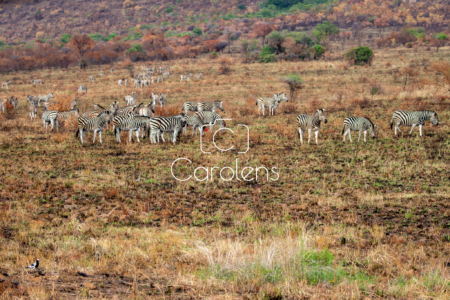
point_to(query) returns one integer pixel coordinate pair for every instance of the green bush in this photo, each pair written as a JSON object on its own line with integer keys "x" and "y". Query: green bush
{"x": 197, "y": 31}
{"x": 241, "y": 6}
{"x": 318, "y": 50}
{"x": 360, "y": 55}
{"x": 109, "y": 37}
{"x": 267, "y": 55}
{"x": 96, "y": 36}
{"x": 441, "y": 36}
{"x": 283, "y": 3}
{"x": 65, "y": 38}
{"x": 136, "y": 48}
{"x": 169, "y": 10}
{"x": 324, "y": 30}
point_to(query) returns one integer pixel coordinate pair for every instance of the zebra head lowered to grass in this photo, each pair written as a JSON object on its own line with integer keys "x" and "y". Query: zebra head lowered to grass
{"x": 210, "y": 106}
{"x": 92, "y": 124}
{"x": 360, "y": 124}
{"x": 131, "y": 123}
{"x": 311, "y": 123}
{"x": 210, "y": 118}
{"x": 196, "y": 123}
{"x": 190, "y": 106}
{"x": 413, "y": 118}
{"x": 270, "y": 103}
{"x": 159, "y": 125}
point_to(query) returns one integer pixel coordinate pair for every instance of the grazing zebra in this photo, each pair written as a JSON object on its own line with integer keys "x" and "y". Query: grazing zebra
{"x": 195, "y": 122}
{"x": 91, "y": 78}
{"x": 100, "y": 74}
{"x": 413, "y": 118}
{"x": 6, "y": 84}
{"x": 82, "y": 88}
{"x": 198, "y": 76}
{"x": 311, "y": 123}
{"x": 159, "y": 125}
{"x": 112, "y": 70}
{"x": 92, "y": 124}
{"x": 190, "y": 106}
{"x": 45, "y": 98}
{"x": 62, "y": 116}
{"x": 14, "y": 102}
{"x": 210, "y": 106}
{"x": 36, "y": 81}
{"x": 33, "y": 111}
{"x": 130, "y": 99}
{"x": 50, "y": 116}
{"x": 137, "y": 82}
{"x": 94, "y": 113}
{"x": 162, "y": 99}
{"x": 166, "y": 74}
{"x": 210, "y": 118}
{"x": 185, "y": 77}
{"x": 73, "y": 104}
{"x": 130, "y": 123}
{"x": 360, "y": 124}
{"x": 145, "y": 82}
{"x": 271, "y": 103}
{"x": 119, "y": 82}
{"x": 2, "y": 105}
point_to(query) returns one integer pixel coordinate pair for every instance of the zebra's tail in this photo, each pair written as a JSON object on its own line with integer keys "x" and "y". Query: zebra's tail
{"x": 76, "y": 133}
{"x": 256, "y": 102}
{"x": 392, "y": 121}
{"x": 343, "y": 130}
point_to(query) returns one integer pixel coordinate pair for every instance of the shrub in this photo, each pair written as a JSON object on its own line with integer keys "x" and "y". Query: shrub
{"x": 360, "y": 55}
{"x": 96, "y": 37}
{"x": 241, "y": 6}
{"x": 225, "y": 64}
{"x": 197, "y": 31}
{"x": 283, "y": 3}
{"x": 65, "y": 38}
{"x": 441, "y": 36}
{"x": 267, "y": 55}
{"x": 318, "y": 51}
{"x": 136, "y": 48}
{"x": 294, "y": 83}
{"x": 169, "y": 9}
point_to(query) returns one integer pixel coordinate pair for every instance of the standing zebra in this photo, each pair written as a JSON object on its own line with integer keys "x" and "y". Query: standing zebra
{"x": 210, "y": 106}
{"x": 143, "y": 110}
{"x": 92, "y": 124}
{"x": 50, "y": 116}
{"x": 126, "y": 82}
{"x": 271, "y": 103}
{"x": 33, "y": 99}
{"x": 186, "y": 77}
{"x": 413, "y": 118}
{"x": 198, "y": 76}
{"x": 130, "y": 123}
{"x": 130, "y": 99}
{"x": 62, "y": 116}
{"x": 82, "y": 88}
{"x": 6, "y": 84}
{"x": 2, "y": 105}
{"x": 112, "y": 70}
{"x": 119, "y": 82}
{"x": 158, "y": 125}
{"x": 311, "y": 123}
{"x": 36, "y": 81}
{"x": 162, "y": 100}
{"x": 73, "y": 104}
{"x": 190, "y": 106}
{"x": 360, "y": 124}
{"x": 94, "y": 113}
{"x": 33, "y": 110}
{"x": 210, "y": 118}
{"x": 195, "y": 122}
{"x": 166, "y": 74}
{"x": 91, "y": 78}
{"x": 45, "y": 98}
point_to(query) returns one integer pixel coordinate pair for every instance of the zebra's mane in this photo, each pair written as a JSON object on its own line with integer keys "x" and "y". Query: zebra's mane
{"x": 370, "y": 121}
{"x": 98, "y": 106}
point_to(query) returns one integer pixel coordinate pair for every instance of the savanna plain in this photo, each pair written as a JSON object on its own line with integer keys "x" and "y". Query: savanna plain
{"x": 342, "y": 221}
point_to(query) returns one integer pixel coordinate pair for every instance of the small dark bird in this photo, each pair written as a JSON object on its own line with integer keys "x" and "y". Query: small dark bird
{"x": 34, "y": 266}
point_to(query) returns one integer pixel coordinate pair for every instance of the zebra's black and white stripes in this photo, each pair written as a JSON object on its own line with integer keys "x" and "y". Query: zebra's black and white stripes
{"x": 210, "y": 106}
{"x": 50, "y": 116}
{"x": 159, "y": 125}
{"x": 413, "y": 118}
{"x": 210, "y": 118}
{"x": 131, "y": 123}
{"x": 311, "y": 123}
{"x": 66, "y": 114}
{"x": 195, "y": 122}
{"x": 270, "y": 103}
{"x": 190, "y": 106}
{"x": 360, "y": 124}
{"x": 92, "y": 124}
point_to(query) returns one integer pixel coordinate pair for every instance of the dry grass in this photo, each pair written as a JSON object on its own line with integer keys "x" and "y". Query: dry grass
{"x": 343, "y": 221}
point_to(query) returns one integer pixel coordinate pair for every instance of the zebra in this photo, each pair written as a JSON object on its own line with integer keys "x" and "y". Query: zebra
{"x": 145, "y": 82}
{"x": 94, "y": 113}
{"x": 100, "y": 74}
{"x": 162, "y": 100}
{"x": 14, "y": 102}
{"x": 2, "y": 105}
{"x": 91, "y": 78}
{"x": 413, "y": 118}
{"x": 185, "y": 77}
{"x": 6, "y": 84}
{"x": 36, "y": 81}
{"x": 119, "y": 82}
{"x": 73, "y": 104}
{"x": 360, "y": 124}
{"x": 311, "y": 123}
{"x": 157, "y": 79}
{"x": 33, "y": 110}
{"x": 136, "y": 82}
{"x": 130, "y": 99}
{"x": 271, "y": 103}
{"x": 62, "y": 116}
{"x": 158, "y": 125}
{"x": 210, "y": 106}
{"x": 190, "y": 106}
{"x": 45, "y": 98}
{"x": 166, "y": 74}
{"x": 198, "y": 76}
{"x": 50, "y": 116}
{"x": 33, "y": 99}
{"x": 161, "y": 69}
{"x": 92, "y": 124}
{"x": 82, "y": 88}
{"x": 130, "y": 123}
{"x": 195, "y": 122}
{"x": 210, "y": 118}
{"x": 112, "y": 71}
{"x": 143, "y": 110}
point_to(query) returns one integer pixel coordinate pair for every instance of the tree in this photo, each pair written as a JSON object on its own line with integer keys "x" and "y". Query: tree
{"x": 324, "y": 30}
{"x": 360, "y": 55}
{"x": 356, "y": 29}
{"x": 294, "y": 83}
{"x": 262, "y": 30}
{"x": 228, "y": 33}
{"x": 65, "y": 38}
{"x": 81, "y": 44}
{"x": 442, "y": 69}
{"x": 275, "y": 40}
{"x": 439, "y": 40}
{"x": 381, "y": 23}
{"x": 283, "y": 3}
{"x": 197, "y": 31}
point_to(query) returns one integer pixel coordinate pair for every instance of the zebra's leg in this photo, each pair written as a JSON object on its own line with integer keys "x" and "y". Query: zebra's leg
{"x": 263, "y": 109}
{"x": 137, "y": 135}
{"x": 365, "y": 132}
{"x": 350, "y": 135}
{"x": 130, "y": 133}
{"x": 412, "y": 127}
{"x": 100, "y": 136}
{"x": 117, "y": 136}
{"x": 162, "y": 137}
{"x": 81, "y": 136}
{"x": 51, "y": 122}
{"x": 300, "y": 133}
{"x": 316, "y": 133}
{"x": 359, "y": 135}
{"x": 420, "y": 129}
{"x": 309, "y": 135}
{"x": 95, "y": 132}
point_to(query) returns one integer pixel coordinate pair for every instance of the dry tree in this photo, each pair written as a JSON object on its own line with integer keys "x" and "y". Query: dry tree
{"x": 294, "y": 83}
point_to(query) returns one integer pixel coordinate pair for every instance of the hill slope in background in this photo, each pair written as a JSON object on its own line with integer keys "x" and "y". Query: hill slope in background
{"x": 29, "y": 20}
